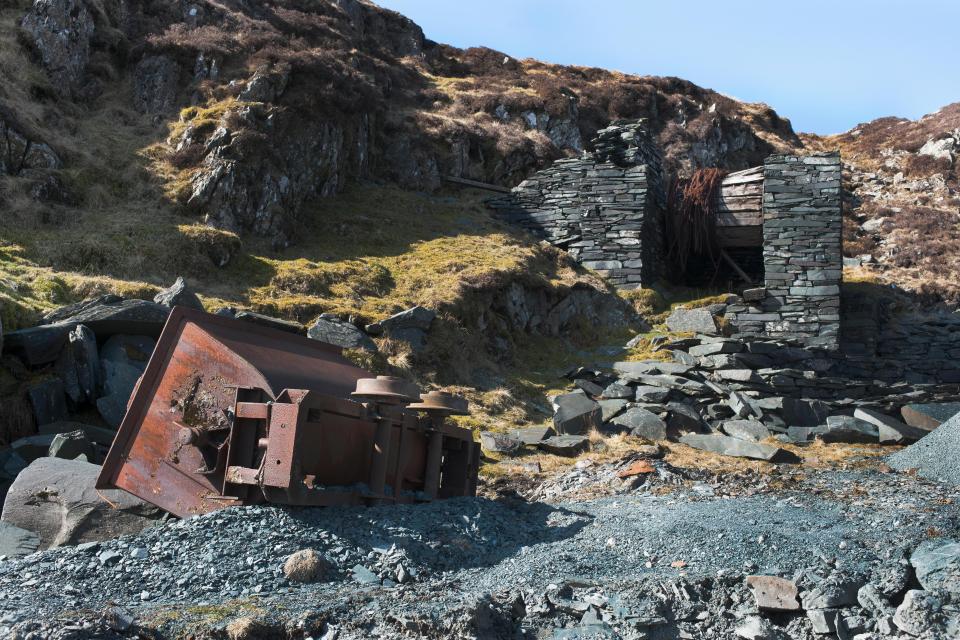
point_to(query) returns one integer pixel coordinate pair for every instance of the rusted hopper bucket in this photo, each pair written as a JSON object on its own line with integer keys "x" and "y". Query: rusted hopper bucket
{"x": 230, "y": 413}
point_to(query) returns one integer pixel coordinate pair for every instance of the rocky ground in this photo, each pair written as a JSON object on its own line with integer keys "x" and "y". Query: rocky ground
{"x": 643, "y": 561}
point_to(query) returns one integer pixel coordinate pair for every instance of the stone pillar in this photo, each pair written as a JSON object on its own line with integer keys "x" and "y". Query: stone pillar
{"x": 605, "y": 207}
{"x": 802, "y": 257}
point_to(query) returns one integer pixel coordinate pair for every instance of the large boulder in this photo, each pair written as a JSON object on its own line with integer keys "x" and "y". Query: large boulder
{"x": 48, "y": 400}
{"x": 60, "y": 32}
{"x": 575, "y": 413}
{"x": 332, "y": 330}
{"x": 57, "y": 500}
{"x": 937, "y": 563}
{"x": 410, "y": 326}
{"x": 22, "y": 154}
{"x": 79, "y": 366}
{"x": 105, "y": 316}
{"x": 124, "y": 359}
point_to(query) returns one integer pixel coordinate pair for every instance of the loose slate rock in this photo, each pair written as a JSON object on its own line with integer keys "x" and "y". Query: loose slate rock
{"x": 649, "y": 393}
{"x": 617, "y": 391}
{"x": 745, "y": 430}
{"x": 694, "y": 320}
{"x": 937, "y": 563}
{"x": 575, "y": 414}
{"x": 805, "y": 413}
{"x": 611, "y": 408}
{"x": 891, "y": 430}
{"x": 532, "y": 435}
{"x": 642, "y": 423}
{"x": 332, "y": 330}
{"x": 566, "y": 445}
{"x": 727, "y": 446}
{"x": 79, "y": 366}
{"x": 499, "y": 442}
{"x": 179, "y": 295}
{"x": 929, "y": 416}
{"x": 773, "y": 593}
{"x": 684, "y": 418}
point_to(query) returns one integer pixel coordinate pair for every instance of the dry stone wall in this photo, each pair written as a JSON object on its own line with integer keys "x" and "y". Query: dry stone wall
{"x": 802, "y": 256}
{"x": 604, "y": 207}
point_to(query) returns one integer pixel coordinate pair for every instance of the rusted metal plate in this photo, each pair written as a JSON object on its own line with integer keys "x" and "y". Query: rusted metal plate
{"x": 232, "y": 413}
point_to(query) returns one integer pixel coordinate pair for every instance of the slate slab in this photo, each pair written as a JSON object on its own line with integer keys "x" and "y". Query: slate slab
{"x": 500, "y": 443}
{"x": 650, "y": 393}
{"x": 57, "y": 500}
{"x": 565, "y": 445}
{"x": 772, "y": 593}
{"x": 532, "y": 435}
{"x": 929, "y": 416}
{"x": 642, "y": 423}
{"x": 891, "y": 430}
{"x": 575, "y": 414}
{"x": 725, "y": 445}
{"x": 692, "y": 320}
{"x": 745, "y": 430}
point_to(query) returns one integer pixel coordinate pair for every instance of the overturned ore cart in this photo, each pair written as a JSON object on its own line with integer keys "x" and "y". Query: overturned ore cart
{"x": 231, "y": 413}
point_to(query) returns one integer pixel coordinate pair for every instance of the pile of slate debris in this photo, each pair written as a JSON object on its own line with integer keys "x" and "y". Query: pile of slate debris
{"x": 735, "y": 397}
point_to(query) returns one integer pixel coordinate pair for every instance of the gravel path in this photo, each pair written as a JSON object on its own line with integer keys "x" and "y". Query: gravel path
{"x": 426, "y": 563}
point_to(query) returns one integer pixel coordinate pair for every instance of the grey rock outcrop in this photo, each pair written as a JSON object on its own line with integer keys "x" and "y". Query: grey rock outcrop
{"x": 60, "y": 31}
{"x": 56, "y": 499}
{"x": 22, "y": 155}
{"x": 249, "y": 184}
{"x": 155, "y": 80}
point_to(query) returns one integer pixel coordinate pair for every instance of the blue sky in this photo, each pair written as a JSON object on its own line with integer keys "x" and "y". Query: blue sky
{"x": 825, "y": 64}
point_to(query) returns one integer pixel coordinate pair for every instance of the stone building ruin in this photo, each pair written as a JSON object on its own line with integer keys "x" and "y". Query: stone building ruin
{"x": 782, "y": 221}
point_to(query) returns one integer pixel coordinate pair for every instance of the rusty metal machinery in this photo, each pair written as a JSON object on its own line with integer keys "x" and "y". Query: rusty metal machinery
{"x": 231, "y": 413}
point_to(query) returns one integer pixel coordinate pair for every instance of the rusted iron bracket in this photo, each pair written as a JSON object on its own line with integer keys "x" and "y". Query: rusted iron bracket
{"x": 231, "y": 413}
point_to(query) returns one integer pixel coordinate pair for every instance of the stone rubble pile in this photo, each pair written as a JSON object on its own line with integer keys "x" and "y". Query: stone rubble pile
{"x": 739, "y": 397}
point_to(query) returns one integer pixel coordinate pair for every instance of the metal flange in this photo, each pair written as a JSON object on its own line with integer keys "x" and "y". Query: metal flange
{"x": 386, "y": 390}
{"x": 442, "y": 402}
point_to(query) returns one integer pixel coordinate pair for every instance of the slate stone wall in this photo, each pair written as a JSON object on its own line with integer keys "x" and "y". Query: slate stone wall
{"x": 605, "y": 207}
{"x": 883, "y": 341}
{"x": 802, "y": 256}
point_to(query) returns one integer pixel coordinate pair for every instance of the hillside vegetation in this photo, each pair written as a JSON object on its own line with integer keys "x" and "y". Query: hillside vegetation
{"x": 288, "y": 157}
